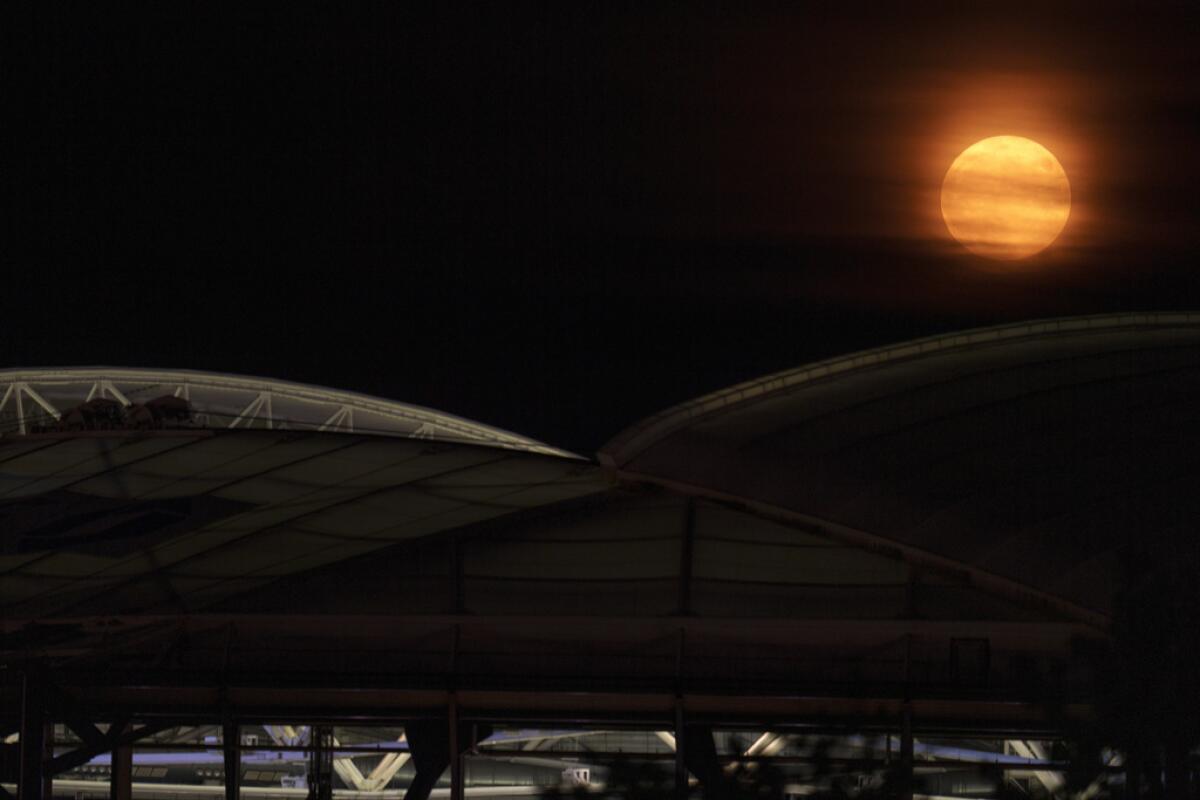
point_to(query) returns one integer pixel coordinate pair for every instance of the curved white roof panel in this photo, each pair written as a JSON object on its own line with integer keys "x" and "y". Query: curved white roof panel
{"x": 41, "y": 399}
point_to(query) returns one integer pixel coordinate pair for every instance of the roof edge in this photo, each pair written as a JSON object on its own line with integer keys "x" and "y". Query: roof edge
{"x": 636, "y": 439}
{"x": 468, "y": 429}
{"x": 989, "y": 581}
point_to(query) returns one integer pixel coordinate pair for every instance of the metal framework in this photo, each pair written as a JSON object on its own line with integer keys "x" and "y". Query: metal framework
{"x": 345, "y": 617}
{"x": 41, "y": 400}
{"x": 236, "y": 759}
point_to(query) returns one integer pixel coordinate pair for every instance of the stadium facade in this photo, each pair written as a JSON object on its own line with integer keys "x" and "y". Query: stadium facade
{"x": 888, "y": 563}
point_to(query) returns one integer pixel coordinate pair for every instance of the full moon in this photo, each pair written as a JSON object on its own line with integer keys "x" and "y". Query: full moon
{"x": 1006, "y": 197}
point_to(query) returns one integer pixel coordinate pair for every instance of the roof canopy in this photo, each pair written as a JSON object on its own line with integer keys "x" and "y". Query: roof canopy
{"x": 131, "y": 490}
{"x": 1037, "y": 452}
{"x": 256, "y": 536}
{"x": 174, "y": 520}
{"x": 32, "y": 399}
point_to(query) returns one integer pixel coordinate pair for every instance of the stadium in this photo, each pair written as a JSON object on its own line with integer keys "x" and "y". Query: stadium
{"x": 888, "y": 563}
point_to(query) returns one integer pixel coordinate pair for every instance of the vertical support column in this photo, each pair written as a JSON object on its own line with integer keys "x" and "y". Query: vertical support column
{"x": 904, "y": 769}
{"x": 1152, "y": 770}
{"x": 429, "y": 744}
{"x": 1176, "y": 771}
{"x": 681, "y": 770}
{"x": 700, "y": 757}
{"x": 320, "y": 771}
{"x": 686, "y": 548}
{"x": 231, "y": 741}
{"x": 120, "y": 779}
{"x": 1133, "y": 775}
{"x": 456, "y": 757}
{"x": 457, "y": 576}
{"x": 37, "y": 740}
{"x": 905, "y": 775}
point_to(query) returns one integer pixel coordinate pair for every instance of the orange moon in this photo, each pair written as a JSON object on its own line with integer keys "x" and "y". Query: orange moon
{"x": 1006, "y": 198}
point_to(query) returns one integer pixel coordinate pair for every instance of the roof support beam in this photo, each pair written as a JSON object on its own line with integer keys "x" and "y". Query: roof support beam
{"x": 41, "y": 401}
{"x": 457, "y": 773}
{"x": 109, "y": 388}
{"x": 16, "y": 391}
{"x": 768, "y": 744}
{"x": 340, "y": 420}
{"x": 387, "y": 769}
{"x": 7, "y": 394}
{"x": 701, "y": 759}
{"x": 686, "y": 548}
{"x": 37, "y": 739}
{"x": 681, "y": 753}
{"x": 429, "y": 743}
{"x": 1050, "y": 780}
{"x": 320, "y": 782}
{"x": 118, "y": 734}
{"x": 758, "y": 744}
{"x": 904, "y": 769}
{"x": 91, "y": 735}
{"x": 343, "y": 766}
{"x": 120, "y": 777}
{"x": 860, "y": 538}
{"x": 20, "y": 415}
{"x": 250, "y": 412}
{"x": 424, "y": 431}
{"x": 231, "y": 747}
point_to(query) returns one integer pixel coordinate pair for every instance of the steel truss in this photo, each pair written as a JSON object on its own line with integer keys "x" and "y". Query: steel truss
{"x": 45, "y": 400}
{"x": 441, "y": 741}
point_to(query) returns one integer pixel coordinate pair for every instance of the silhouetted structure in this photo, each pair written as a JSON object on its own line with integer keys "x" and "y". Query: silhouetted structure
{"x": 902, "y": 561}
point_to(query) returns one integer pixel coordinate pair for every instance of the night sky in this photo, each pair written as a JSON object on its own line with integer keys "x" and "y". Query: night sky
{"x": 559, "y": 218}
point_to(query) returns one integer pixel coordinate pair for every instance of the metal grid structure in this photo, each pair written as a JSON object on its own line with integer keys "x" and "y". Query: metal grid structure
{"x": 377, "y": 762}
{"x": 44, "y": 399}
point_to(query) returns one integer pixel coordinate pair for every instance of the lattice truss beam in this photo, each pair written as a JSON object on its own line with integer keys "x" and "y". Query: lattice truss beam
{"x": 580, "y": 755}
{"x": 75, "y": 398}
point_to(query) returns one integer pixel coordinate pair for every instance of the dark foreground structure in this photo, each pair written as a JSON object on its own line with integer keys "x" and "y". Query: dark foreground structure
{"x": 892, "y": 566}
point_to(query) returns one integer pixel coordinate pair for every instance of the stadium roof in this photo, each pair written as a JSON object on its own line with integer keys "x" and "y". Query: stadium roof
{"x": 39, "y": 397}
{"x": 1026, "y": 456}
{"x": 1033, "y": 454}
{"x": 859, "y": 526}
{"x": 259, "y": 479}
